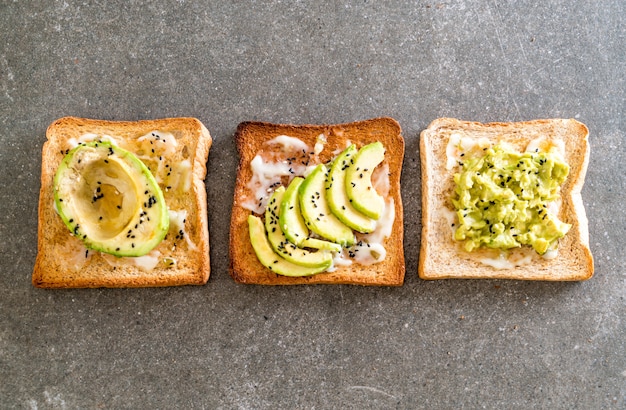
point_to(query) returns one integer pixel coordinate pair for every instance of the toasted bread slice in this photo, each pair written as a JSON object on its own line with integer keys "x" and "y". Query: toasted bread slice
{"x": 62, "y": 259}
{"x": 251, "y": 138}
{"x": 442, "y": 257}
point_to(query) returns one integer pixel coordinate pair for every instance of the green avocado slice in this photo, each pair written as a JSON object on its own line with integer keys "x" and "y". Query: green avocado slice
{"x": 359, "y": 187}
{"x": 290, "y": 219}
{"x": 270, "y": 259}
{"x": 315, "y": 210}
{"x": 279, "y": 242}
{"x": 338, "y": 201}
{"x": 109, "y": 199}
{"x": 292, "y": 224}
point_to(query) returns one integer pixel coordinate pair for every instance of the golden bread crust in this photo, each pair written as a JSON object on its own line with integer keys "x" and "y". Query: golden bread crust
{"x": 441, "y": 256}
{"x": 63, "y": 262}
{"x": 250, "y": 137}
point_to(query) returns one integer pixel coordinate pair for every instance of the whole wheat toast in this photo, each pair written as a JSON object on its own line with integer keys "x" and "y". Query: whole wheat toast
{"x": 442, "y": 257}
{"x": 64, "y": 262}
{"x": 250, "y": 139}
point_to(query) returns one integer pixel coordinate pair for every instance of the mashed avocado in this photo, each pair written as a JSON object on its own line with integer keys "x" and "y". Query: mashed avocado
{"x": 501, "y": 199}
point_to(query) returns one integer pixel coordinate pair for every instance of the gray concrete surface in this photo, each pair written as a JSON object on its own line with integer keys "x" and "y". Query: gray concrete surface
{"x": 445, "y": 344}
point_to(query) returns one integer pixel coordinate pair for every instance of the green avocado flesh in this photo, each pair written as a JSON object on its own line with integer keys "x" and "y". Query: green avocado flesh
{"x": 338, "y": 201}
{"x": 304, "y": 223}
{"x": 358, "y": 180}
{"x": 269, "y": 259}
{"x": 501, "y": 200}
{"x": 292, "y": 224}
{"x": 317, "y": 214}
{"x": 109, "y": 199}
{"x": 281, "y": 245}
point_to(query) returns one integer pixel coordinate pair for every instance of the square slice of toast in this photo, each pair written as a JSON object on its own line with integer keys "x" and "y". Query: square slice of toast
{"x": 252, "y": 137}
{"x": 176, "y": 152}
{"x": 442, "y": 257}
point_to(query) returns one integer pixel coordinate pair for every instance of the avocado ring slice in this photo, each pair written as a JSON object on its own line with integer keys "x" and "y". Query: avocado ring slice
{"x": 110, "y": 200}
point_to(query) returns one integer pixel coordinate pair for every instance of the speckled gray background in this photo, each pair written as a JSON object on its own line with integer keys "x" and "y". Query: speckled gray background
{"x": 444, "y": 344}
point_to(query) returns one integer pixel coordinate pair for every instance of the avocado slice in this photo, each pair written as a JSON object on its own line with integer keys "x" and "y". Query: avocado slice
{"x": 270, "y": 259}
{"x": 315, "y": 210}
{"x": 338, "y": 200}
{"x": 292, "y": 224}
{"x": 109, "y": 199}
{"x": 279, "y": 242}
{"x": 359, "y": 187}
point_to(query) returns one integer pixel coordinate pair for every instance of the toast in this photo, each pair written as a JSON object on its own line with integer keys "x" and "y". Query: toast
{"x": 252, "y": 138}
{"x": 443, "y": 257}
{"x": 178, "y": 166}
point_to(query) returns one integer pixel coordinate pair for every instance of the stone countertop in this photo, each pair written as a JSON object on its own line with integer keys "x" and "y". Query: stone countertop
{"x": 440, "y": 344}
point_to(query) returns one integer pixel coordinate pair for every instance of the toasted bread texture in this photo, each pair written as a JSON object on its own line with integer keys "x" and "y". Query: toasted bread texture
{"x": 251, "y": 138}
{"x": 442, "y": 257}
{"x": 179, "y": 167}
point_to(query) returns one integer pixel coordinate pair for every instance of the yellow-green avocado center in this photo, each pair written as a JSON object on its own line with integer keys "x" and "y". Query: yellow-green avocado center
{"x": 109, "y": 199}
{"x": 502, "y": 200}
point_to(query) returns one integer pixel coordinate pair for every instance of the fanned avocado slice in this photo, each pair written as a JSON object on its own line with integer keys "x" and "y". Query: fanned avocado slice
{"x": 315, "y": 210}
{"x": 109, "y": 199}
{"x": 359, "y": 187}
{"x": 270, "y": 259}
{"x": 338, "y": 201}
{"x": 279, "y": 242}
{"x": 292, "y": 224}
